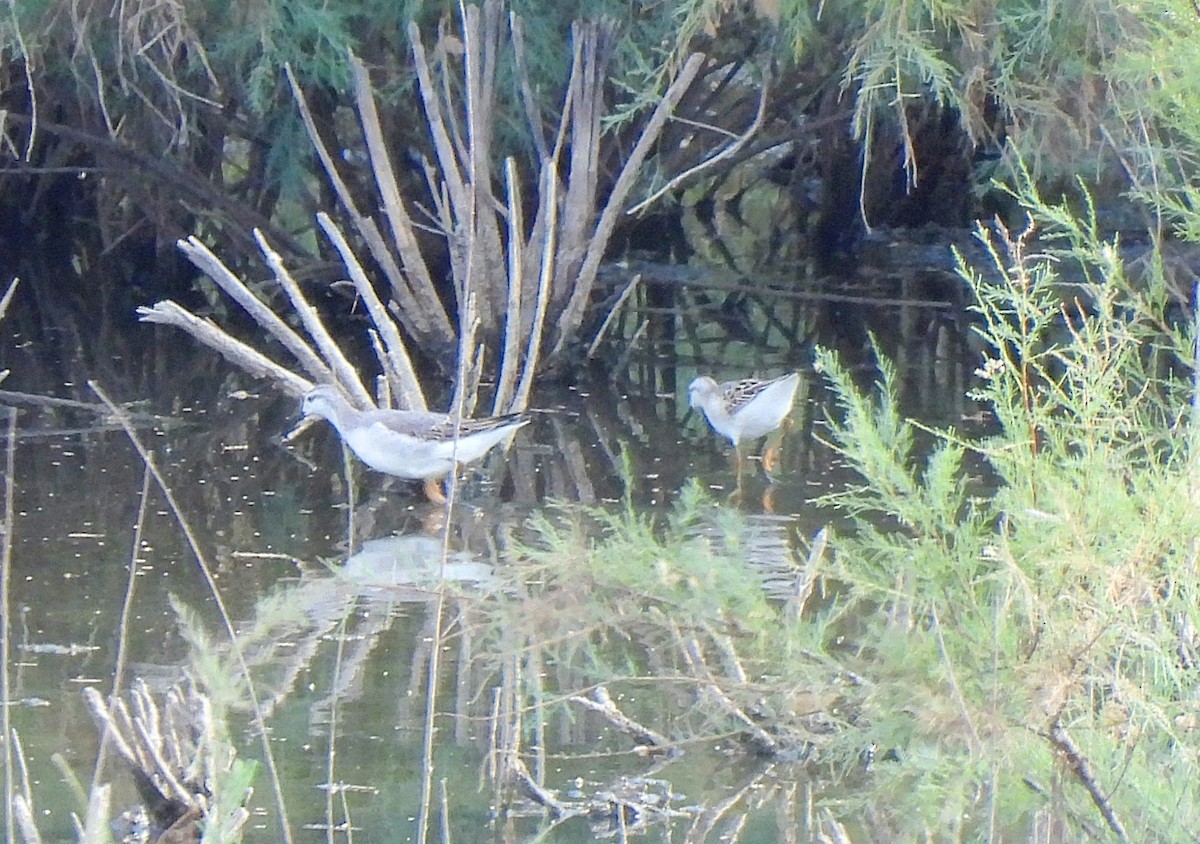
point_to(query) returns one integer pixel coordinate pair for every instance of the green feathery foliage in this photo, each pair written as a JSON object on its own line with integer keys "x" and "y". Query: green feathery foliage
{"x": 1052, "y": 614}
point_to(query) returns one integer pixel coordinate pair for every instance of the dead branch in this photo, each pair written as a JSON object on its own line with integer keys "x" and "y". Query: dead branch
{"x": 8, "y": 296}
{"x": 423, "y": 297}
{"x": 1061, "y": 740}
{"x": 311, "y": 320}
{"x": 535, "y": 792}
{"x": 411, "y": 311}
{"x": 236, "y": 289}
{"x": 601, "y": 702}
{"x": 171, "y": 751}
{"x": 573, "y": 313}
{"x": 235, "y": 351}
{"x": 713, "y": 160}
{"x": 395, "y": 357}
{"x": 760, "y": 738}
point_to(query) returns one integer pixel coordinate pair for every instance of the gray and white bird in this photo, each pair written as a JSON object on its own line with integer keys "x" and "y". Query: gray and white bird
{"x": 410, "y": 443}
{"x": 745, "y": 409}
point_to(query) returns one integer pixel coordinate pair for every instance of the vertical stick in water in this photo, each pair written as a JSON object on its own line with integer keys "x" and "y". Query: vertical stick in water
{"x": 5, "y": 576}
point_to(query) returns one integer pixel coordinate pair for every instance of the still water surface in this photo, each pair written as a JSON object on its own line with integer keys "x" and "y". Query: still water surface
{"x": 333, "y": 595}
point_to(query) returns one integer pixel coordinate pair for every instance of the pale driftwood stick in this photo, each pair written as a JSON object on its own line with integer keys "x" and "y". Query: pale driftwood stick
{"x": 310, "y": 125}
{"x": 549, "y": 253}
{"x": 23, "y": 819}
{"x": 435, "y": 117}
{"x": 625, "y": 294}
{"x": 540, "y": 265}
{"x": 414, "y": 315}
{"x": 397, "y": 353}
{"x": 695, "y": 657}
{"x": 95, "y": 825}
{"x": 447, "y": 92}
{"x": 100, "y": 712}
{"x": 147, "y": 726}
{"x": 440, "y": 220}
{"x": 462, "y": 403}
{"x": 121, "y": 717}
{"x": 567, "y": 254}
{"x": 385, "y": 395}
{"x": 399, "y": 221}
{"x": 8, "y": 296}
{"x": 578, "y": 220}
{"x": 233, "y": 350}
{"x": 484, "y": 115}
{"x": 806, "y": 578}
{"x": 344, "y": 371}
{"x": 481, "y": 257}
{"x": 614, "y": 208}
{"x": 532, "y": 113}
{"x": 20, "y": 773}
{"x": 730, "y": 150}
{"x": 235, "y": 288}
{"x": 534, "y": 790}
{"x": 510, "y": 362}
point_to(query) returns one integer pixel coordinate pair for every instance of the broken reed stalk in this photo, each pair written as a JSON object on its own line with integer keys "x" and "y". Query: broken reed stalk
{"x": 8, "y": 296}
{"x": 331, "y": 353}
{"x": 118, "y": 678}
{"x": 589, "y": 268}
{"x": 419, "y": 308}
{"x": 175, "y": 750}
{"x": 509, "y": 356}
{"x": 259, "y": 311}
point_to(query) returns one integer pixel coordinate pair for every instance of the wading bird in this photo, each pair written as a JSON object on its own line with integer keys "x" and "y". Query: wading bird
{"x": 410, "y": 443}
{"x": 745, "y": 409}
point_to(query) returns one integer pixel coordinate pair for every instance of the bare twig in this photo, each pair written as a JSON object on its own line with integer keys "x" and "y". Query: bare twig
{"x": 600, "y": 701}
{"x": 346, "y": 374}
{"x": 236, "y": 289}
{"x": 510, "y": 362}
{"x": 545, "y": 281}
{"x": 806, "y": 578}
{"x": 534, "y": 791}
{"x": 1061, "y": 739}
{"x": 424, "y": 295}
{"x": 713, "y": 160}
{"x": 612, "y": 313}
{"x": 126, "y": 613}
{"x": 8, "y": 296}
{"x": 413, "y": 314}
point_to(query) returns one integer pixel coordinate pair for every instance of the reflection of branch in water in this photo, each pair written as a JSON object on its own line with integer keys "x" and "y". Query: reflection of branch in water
{"x": 570, "y": 457}
{"x": 755, "y": 786}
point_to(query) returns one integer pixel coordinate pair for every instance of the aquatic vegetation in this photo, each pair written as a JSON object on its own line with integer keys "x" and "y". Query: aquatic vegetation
{"x": 1029, "y": 632}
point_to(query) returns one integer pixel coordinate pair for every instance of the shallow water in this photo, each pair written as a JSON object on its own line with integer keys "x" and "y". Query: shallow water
{"x": 331, "y": 592}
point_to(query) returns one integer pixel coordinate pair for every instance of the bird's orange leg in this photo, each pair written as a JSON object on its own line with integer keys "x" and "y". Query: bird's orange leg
{"x": 434, "y": 492}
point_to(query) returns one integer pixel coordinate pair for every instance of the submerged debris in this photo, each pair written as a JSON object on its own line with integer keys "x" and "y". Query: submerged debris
{"x": 175, "y": 758}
